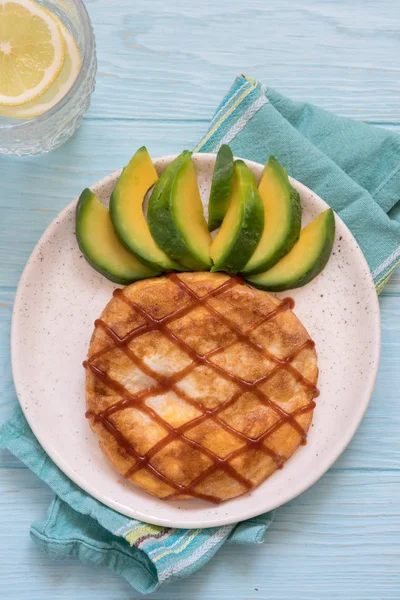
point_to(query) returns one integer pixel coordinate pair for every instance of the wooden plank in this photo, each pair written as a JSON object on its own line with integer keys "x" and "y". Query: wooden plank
{"x": 176, "y": 60}
{"x": 7, "y": 394}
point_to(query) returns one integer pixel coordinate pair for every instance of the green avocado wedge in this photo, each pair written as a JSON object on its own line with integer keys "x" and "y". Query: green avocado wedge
{"x": 306, "y": 259}
{"x": 243, "y": 224}
{"x": 176, "y": 218}
{"x": 126, "y": 211}
{"x": 221, "y": 186}
{"x": 282, "y": 213}
{"x": 100, "y": 245}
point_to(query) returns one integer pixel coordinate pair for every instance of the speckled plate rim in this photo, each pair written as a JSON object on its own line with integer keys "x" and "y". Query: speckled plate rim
{"x": 233, "y": 513}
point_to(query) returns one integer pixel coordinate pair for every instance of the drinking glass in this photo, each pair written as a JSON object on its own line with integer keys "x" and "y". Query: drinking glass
{"x": 39, "y": 134}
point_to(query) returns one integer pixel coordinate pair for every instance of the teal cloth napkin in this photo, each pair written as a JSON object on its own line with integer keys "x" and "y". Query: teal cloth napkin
{"x": 353, "y": 166}
{"x": 356, "y": 169}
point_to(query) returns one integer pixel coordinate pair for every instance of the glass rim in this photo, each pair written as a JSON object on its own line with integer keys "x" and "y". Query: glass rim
{"x": 89, "y": 49}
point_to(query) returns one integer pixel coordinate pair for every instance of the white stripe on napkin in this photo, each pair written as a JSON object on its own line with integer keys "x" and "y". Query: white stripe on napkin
{"x": 197, "y": 554}
{"x": 240, "y": 123}
{"x": 386, "y": 263}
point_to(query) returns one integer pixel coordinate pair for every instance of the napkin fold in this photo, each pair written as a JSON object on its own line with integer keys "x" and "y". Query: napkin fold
{"x": 356, "y": 169}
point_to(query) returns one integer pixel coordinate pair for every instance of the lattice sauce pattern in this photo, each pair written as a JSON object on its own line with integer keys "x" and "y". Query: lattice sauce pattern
{"x": 167, "y": 383}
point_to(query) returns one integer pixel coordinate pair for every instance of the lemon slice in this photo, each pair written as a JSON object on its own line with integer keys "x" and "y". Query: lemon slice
{"x": 57, "y": 90}
{"x": 31, "y": 51}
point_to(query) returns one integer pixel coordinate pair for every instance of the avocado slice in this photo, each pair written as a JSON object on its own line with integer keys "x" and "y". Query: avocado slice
{"x": 176, "y": 217}
{"x": 243, "y": 224}
{"x": 126, "y": 210}
{"x": 282, "y": 212}
{"x": 221, "y": 186}
{"x": 100, "y": 245}
{"x": 306, "y": 259}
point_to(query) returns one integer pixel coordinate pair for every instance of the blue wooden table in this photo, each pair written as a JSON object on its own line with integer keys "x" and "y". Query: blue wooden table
{"x": 163, "y": 68}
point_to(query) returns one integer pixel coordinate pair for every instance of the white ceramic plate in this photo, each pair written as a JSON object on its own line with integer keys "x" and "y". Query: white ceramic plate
{"x": 60, "y": 296}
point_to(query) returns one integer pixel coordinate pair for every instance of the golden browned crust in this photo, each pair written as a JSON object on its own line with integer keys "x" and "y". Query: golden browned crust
{"x": 240, "y": 400}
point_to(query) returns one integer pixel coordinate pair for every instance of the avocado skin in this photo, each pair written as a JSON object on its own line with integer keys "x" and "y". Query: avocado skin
{"x": 314, "y": 269}
{"x": 295, "y": 227}
{"x": 251, "y": 228}
{"x": 221, "y": 187}
{"x": 161, "y": 222}
{"x": 162, "y": 226}
{"x": 81, "y": 208}
{"x": 161, "y": 188}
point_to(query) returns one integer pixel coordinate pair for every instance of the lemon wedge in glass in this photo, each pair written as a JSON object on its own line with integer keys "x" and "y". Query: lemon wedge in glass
{"x": 31, "y": 51}
{"x": 57, "y": 90}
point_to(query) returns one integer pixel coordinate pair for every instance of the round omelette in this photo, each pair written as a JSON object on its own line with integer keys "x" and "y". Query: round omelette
{"x": 198, "y": 385}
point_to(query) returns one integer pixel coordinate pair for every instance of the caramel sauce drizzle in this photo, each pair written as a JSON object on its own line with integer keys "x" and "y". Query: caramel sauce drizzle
{"x": 164, "y": 384}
